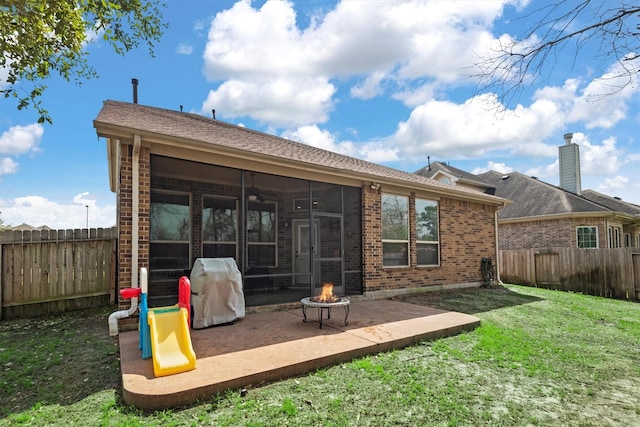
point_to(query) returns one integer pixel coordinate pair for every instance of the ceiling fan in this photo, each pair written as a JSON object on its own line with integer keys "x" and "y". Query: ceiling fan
{"x": 252, "y": 192}
{"x": 254, "y": 195}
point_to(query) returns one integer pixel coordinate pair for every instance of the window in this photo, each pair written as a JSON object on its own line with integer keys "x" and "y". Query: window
{"x": 395, "y": 230}
{"x": 169, "y": 228}
{"x": 219, "y": 227}
{"x": 614, "y": 237}
{"x": 587, "y": 237}
{"x": 261, "y": 234}
{"x": 627, "y": 240}
{"x": 427, "y": 247}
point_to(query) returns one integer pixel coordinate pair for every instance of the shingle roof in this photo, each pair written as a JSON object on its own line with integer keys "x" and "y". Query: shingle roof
{"x": 431, "y": 170}
{"x": 532, "y": 197}
{"x": 612, "y": 203}
{"x": 200, "y": 129}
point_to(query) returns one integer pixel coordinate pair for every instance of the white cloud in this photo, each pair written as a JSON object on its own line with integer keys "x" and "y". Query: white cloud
{"x": 549, "y": 172}
{"x": 369, "y": 88}
{"x": 492, "y": 166}
{"x": 21, "y": 139}
{"x": 314, "y": 136}
{"x": 283, "y": 75}
{"x": 4, "y": 73}
{"x": 448, "y": 130}
{"x": 381, "y": 44}
{"x": 37, "y": 210}
{"x": 285, "y": 102}
{"x": 613, "y": 183}
{"x": 184, "y": 49}
{"x": 377, "y": 152}
{"x": 599, "y": 159}
{"x": 604, "y": 101}
{"x": 8, "y": 166}
{"x": 415, "y": 96}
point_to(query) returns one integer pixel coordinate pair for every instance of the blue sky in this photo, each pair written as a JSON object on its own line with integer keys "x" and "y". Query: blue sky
{"x": 386, "y": 81}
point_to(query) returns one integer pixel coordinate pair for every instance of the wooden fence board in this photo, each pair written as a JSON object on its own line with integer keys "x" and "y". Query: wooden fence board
{"x": 46, "y": 271}
{"x": 608, "y": 273}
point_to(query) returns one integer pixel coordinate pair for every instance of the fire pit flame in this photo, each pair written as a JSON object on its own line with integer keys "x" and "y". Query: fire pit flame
{"x": 326, "y": 296}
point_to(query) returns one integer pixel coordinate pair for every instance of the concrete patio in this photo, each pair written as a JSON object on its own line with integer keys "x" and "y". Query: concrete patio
{"x": 269, "y": 346}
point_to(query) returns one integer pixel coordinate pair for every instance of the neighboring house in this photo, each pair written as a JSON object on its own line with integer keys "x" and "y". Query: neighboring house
{"x": 542, "y": 215}
{"x": 27, "y": 227}
{"x": 629, "y": 235}
{"x": 447, "y": 174}
{"x": 292, "y": 216}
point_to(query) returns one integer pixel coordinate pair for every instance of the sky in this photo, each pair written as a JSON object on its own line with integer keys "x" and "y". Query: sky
{"x": 391, "y": 82}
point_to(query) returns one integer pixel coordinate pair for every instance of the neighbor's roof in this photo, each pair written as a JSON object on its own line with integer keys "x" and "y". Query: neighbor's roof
{"x": 118, "y": 119}
{"x": 27, "y": 227}
{"x": 533, "y": 198}
{"x": 613, "y": 203}
{"x": 431, "y": 170}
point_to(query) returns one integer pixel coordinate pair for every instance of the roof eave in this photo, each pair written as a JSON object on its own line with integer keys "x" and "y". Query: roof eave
{"x": 571, "y": 215}
{"x": 117, "y": 132}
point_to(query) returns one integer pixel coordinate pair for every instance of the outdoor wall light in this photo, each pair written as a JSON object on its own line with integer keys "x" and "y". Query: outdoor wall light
{"x": 375, "y": 186}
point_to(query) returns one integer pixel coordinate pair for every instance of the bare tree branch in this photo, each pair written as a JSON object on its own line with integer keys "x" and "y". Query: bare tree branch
{"x": 514, "y": 63}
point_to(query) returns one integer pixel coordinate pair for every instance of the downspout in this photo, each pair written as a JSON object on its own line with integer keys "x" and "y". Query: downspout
{"x": 495, "y": 225}
{"x": 135, "y": 210}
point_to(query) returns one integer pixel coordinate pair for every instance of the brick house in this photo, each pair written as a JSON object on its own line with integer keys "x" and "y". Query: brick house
{"x": 546, "y": 216}
{"x": 292, "y": 216}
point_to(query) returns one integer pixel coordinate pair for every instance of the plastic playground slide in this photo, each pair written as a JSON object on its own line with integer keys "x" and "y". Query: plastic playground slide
{"x": 170, "y": 341}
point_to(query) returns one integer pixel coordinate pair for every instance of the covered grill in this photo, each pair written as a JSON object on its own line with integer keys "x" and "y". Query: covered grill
{"x": 216, "y": 292}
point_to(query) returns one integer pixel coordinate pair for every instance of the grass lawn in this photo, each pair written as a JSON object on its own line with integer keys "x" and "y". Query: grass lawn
{"x": 539, "y": 358}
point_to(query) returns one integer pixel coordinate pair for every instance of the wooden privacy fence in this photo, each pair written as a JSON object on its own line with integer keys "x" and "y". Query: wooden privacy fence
{"x": 50, "y": 271}
{"x": 612, "y": 273}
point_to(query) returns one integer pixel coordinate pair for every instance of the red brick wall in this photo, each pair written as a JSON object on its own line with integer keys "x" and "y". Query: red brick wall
{"x": 553, "y": 233}
{"x": 466, "y": 236}
{"x": 125, "y": 214}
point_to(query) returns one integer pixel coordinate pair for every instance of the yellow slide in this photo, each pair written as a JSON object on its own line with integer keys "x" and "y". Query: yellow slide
{"x": 170, "y": 341}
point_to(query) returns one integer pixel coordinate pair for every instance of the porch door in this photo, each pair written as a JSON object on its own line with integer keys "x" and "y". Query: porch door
{"x": 303, "y": 252}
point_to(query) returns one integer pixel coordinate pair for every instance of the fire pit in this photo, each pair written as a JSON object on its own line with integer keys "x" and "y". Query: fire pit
{"x": 325, "y": 301}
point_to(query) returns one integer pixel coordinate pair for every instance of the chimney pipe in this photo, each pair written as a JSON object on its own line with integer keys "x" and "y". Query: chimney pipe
{"x": 567, "y": 138}
{"x": 134, "y": 82}
{"x": 569, "y": 162}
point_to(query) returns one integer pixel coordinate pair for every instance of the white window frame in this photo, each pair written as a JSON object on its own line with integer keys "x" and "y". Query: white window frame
{"x": 578, "y": 236}
{"x": 614, "y": 236}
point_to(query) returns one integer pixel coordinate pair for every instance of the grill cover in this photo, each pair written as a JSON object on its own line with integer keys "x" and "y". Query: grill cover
{"x": 216, "y": 292}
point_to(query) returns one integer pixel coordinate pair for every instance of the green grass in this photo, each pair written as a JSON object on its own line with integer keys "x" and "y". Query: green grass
{"x": 539, "y": 358}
